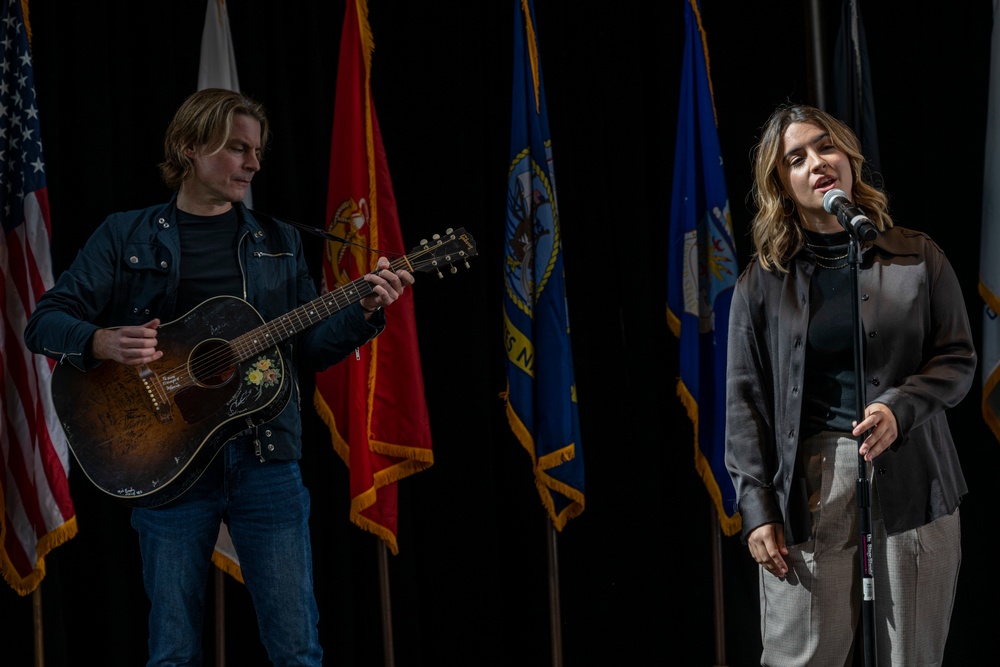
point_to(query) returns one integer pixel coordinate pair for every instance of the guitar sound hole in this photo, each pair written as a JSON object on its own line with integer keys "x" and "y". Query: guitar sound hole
{"x": 213, "y": 363}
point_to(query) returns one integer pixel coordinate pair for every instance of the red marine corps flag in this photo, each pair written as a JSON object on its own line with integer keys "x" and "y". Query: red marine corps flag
{"x": 373, "y": 402}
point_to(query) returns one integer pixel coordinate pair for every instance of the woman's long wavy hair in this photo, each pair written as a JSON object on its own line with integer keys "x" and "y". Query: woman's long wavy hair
{"x": 205, "y": 119}
{"x": 776, "y": 229}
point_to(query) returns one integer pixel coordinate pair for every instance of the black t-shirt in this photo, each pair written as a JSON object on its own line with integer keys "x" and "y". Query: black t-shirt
{"x": 209, "y": 262}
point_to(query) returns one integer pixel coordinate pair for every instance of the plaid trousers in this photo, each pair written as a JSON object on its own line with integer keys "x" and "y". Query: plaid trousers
{"x": 810, "y": 616}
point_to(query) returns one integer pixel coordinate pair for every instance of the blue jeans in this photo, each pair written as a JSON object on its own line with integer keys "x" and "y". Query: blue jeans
{"x": 266, "y": 508}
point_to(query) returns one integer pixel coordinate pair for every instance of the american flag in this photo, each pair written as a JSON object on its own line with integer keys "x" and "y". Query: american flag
{"x": 36, "y": 512}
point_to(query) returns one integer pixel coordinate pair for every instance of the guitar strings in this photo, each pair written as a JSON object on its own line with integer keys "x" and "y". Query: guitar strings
{"x": 246, "y": 345}
{"x": 263, "y": 337}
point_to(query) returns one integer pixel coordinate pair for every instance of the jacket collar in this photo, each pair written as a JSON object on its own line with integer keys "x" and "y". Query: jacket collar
{"x": 898, "y": 241}
{"x": 893, "y": 241}
{"x": 249, "y": 223}
{"x": 166, "y": 217}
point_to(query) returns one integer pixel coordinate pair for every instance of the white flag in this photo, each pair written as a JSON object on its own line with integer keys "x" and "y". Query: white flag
{"x": 218, "y": 61}
{"x": 217, "y": 68}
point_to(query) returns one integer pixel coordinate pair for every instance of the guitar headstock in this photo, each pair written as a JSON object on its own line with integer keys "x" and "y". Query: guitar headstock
{"x": 443, "y": 251}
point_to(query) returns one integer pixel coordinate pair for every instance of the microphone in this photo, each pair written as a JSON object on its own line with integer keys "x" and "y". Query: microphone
{"x": 849, "y": 215}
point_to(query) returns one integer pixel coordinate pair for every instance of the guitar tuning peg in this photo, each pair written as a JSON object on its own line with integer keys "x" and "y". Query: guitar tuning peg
{"x": 467, "y": 264}
{"x": 436, "y": 237}
{"x": 423, "y": 241}
{"x": 454, "y": 269}
{"x": 440, "y": 275}
{"x": 449, "y": 231}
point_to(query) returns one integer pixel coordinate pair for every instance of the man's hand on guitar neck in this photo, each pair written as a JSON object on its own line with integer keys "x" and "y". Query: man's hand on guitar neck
{"x": 387, "y": 286}
{"x": 132, "y": 346}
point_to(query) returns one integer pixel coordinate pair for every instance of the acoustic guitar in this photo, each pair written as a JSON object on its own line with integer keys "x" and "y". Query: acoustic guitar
{"x": 145, "y": 434}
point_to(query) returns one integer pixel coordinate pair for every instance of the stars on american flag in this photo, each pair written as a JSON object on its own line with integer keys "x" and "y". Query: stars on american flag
{"x": 22, "y": 167}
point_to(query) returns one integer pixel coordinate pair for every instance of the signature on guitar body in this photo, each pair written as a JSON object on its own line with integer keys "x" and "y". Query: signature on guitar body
{"x": 145, "y": 434}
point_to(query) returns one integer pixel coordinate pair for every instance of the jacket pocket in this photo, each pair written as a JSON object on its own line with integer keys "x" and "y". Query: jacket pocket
{"x": 145, "y": 270}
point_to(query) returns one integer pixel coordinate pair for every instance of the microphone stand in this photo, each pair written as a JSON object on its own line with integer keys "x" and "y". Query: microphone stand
{"x": 864, "y": 481}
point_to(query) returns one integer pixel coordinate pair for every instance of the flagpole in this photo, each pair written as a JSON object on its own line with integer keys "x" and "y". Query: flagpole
{"x": 220, "y": 618}
{"x": 383, "y": 585}
{"x": 36, "y": 608}
{"x": 814, "y": 19}
{"x": 720, "y": 617}
{"x": 555, "y": 620}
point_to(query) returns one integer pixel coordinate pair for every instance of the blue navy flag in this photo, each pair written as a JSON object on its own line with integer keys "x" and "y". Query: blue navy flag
{"x": 702, "y": 270}
{"x": 541, "y": 391}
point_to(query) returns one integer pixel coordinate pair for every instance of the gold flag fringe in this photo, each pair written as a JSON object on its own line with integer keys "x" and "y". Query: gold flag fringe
{"x": 228, "y": 566}
{"x": 414, "y": 459}
{"x": 367, "y": 48}
{"x": 544, "y": 482}
{"x": 731, "y": 525}
{"x": 27, "y": 585}
{"x": 27, "y": 23}
{"x": 529, "y": 28}
{"x": 708, "y": 65}
{"x": 674, "y": 323}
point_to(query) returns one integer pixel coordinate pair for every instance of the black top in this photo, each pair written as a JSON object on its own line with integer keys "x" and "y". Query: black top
{"x": 829, "y": 402}
{"x": 209, "y": 262}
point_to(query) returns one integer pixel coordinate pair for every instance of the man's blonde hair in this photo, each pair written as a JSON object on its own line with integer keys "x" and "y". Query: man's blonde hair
{"x": 205, "y": 119}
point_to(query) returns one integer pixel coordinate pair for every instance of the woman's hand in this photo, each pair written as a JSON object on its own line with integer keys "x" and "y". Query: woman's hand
{"x": 767, "y": 546}
{"x": 884, "y": 430}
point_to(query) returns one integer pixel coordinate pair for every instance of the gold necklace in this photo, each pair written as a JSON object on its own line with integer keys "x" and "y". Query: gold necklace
{"x": 828, "y": 259}
{"x": 827, "y": 266}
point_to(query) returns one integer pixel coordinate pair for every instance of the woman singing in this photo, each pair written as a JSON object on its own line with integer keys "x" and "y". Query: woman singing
{"x": 792, "y": 424}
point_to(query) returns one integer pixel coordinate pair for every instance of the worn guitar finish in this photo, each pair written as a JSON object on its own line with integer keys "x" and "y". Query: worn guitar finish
{"x": 145, "y": 434}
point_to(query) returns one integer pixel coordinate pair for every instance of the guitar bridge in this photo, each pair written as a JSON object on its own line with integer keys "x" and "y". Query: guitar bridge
{"x": 156, "y": 394}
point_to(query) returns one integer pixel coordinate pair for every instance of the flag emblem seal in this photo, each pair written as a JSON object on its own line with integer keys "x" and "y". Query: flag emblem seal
{"x": 709, "y": 269}
{"x": 532, "y": 231}
{"x": 351, "y": 223}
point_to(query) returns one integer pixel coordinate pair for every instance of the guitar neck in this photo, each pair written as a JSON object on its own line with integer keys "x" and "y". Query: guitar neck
{"x": 295, "y": 321}
{"x": 442, "y": 251}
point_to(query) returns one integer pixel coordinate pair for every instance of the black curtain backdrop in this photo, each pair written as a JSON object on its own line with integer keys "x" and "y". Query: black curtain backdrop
{"x": 469, "y": 585}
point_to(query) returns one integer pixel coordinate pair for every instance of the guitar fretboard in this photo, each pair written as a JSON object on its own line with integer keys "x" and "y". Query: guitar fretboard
{"x": 298, "y": 320}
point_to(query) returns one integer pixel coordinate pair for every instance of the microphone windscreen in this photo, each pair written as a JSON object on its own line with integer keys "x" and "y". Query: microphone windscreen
{"x": 830, "y": 198}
